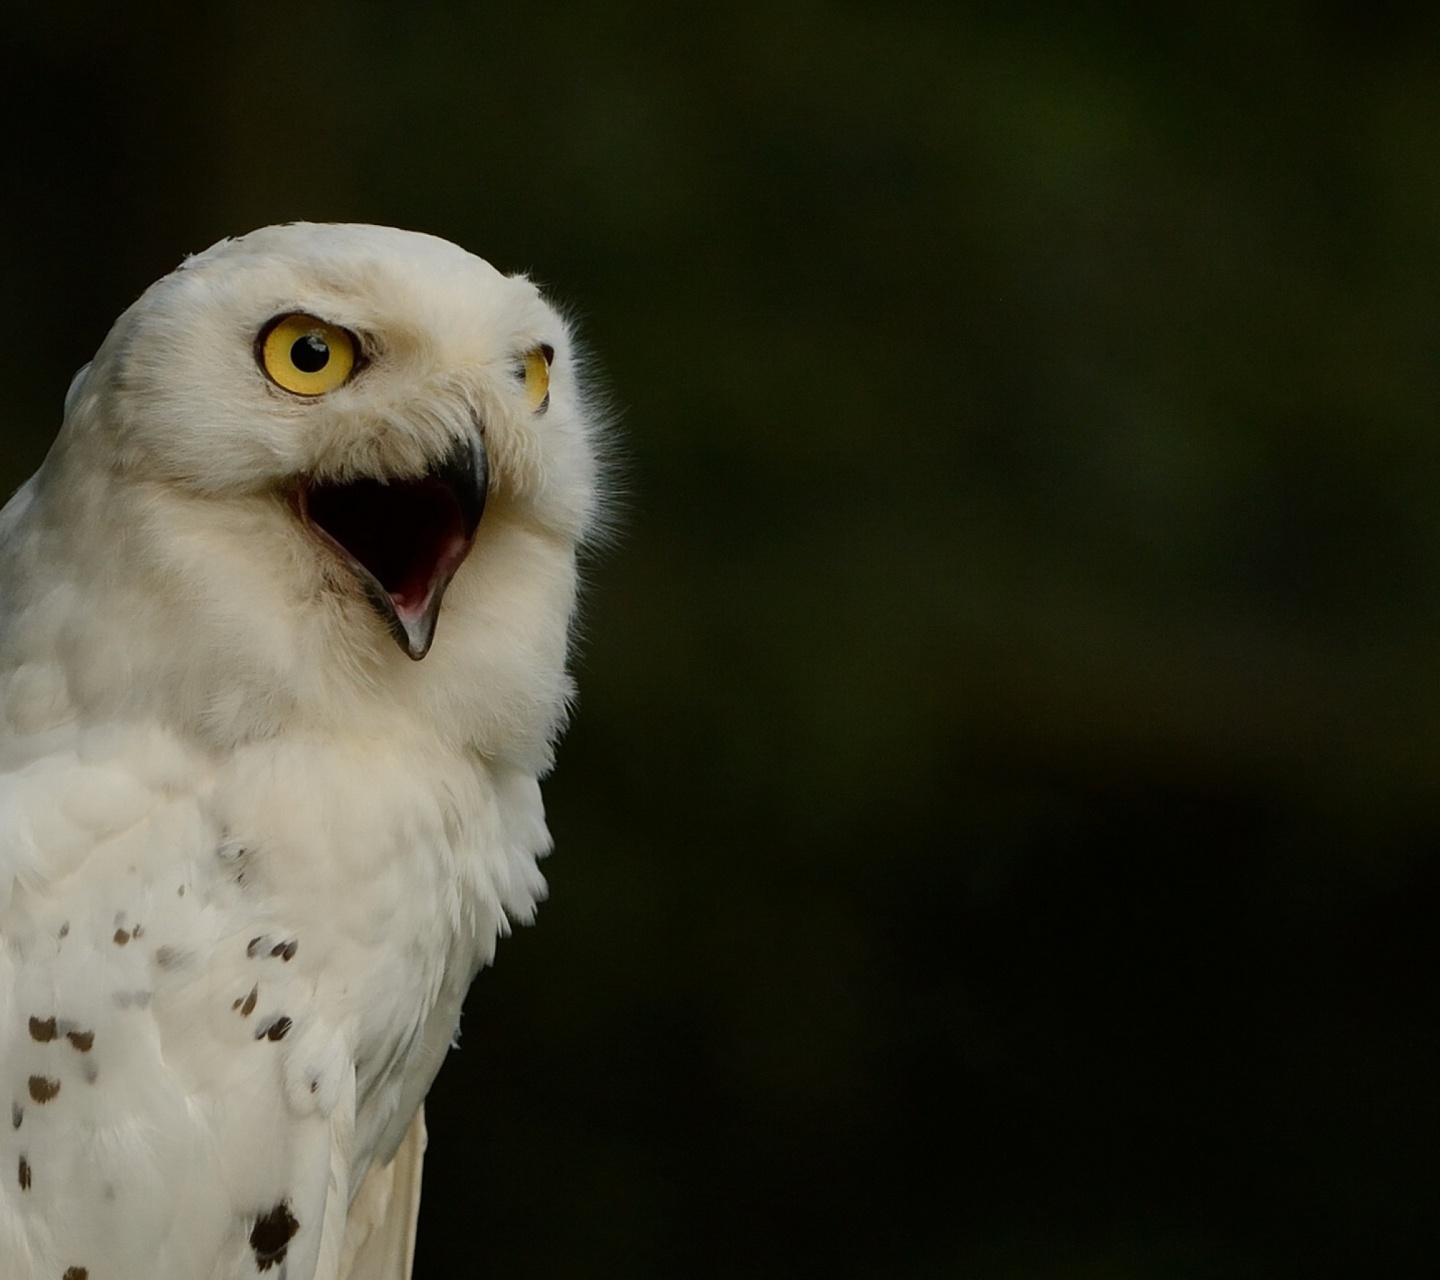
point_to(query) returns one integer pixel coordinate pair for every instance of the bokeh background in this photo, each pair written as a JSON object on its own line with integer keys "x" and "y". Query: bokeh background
{"x": 998, "y": 834}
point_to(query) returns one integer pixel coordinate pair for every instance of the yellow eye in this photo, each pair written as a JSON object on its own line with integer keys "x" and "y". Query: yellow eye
{"x": 537, "y": 376}
{"x": 306, "y": 356}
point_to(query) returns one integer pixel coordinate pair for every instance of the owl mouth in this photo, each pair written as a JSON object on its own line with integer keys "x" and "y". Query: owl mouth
{"x": 403, "y": 537}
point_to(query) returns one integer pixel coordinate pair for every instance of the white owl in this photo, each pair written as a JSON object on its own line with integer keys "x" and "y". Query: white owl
{"x": 275, "y": 697}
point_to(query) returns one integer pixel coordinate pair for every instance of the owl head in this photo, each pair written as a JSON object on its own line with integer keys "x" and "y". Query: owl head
{"x": 317, "y": 455}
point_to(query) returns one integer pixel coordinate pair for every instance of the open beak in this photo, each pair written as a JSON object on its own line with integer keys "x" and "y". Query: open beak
{"x": 403, "y": 538}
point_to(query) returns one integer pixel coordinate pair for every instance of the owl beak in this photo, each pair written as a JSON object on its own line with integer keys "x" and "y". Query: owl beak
{"x": 404, "y": 539}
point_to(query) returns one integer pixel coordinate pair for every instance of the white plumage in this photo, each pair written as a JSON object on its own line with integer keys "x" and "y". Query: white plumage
{"x": 252, "y": 850}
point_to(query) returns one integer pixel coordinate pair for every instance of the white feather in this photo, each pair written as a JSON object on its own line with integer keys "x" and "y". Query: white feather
{"x": 251, "y": 854}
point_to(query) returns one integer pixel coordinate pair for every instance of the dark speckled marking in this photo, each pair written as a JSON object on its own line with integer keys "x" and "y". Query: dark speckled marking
{"x": 122, "y": 936}
{"x": 82, "y": 1040}
{"x": 247, "y": 1006}
{"x": 42, "y": 1029}
{"x": 275, "y": 1029}
{"x": 65, "y": 929}
{"x": 285, "y": 950}
{"x": 17, "y": 1115}
{"x": 76, "y": 1273}
{"x": 253, "y": 946}
{"x": 137, "y": 931}
{"x": 271, "y": 1235}
{"x": 171, "y": 957}
{"x": 24, "y": 1174}
{"x": 42, "y": 1088}
{"x": 180, "y": 892}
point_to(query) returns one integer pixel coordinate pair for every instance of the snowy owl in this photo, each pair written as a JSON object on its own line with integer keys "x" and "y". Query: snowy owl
{"x": 283, "y": 630}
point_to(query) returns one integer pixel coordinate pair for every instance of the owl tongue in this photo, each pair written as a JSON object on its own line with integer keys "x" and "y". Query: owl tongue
{"x": 403, "y": 538}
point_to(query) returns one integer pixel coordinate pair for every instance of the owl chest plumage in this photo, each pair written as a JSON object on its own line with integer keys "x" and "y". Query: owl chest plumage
{"x": 205, "y": 962}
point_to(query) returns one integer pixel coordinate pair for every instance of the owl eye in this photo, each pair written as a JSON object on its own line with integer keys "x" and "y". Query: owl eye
{"x": 534, "y": 371}
{"x": 305, "y": 355}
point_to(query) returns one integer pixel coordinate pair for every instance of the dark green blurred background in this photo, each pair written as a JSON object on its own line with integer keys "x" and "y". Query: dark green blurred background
{"x": 998, "y": 836}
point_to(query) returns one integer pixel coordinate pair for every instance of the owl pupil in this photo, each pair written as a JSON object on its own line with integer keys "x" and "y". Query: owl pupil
{"x": 310, "y": 354}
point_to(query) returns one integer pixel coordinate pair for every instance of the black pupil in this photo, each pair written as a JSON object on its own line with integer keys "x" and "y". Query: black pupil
{"x": 310, "y": 354}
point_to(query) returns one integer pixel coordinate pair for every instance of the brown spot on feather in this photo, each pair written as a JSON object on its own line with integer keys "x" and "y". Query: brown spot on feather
{"x": 247, "y": 1006}
{"x": 42, "y": 1030}
{"x": 76, "y": 1273}
{"x": 171, "y": 957}
{"x": 82, "y": 1040}
{"x": 121, "y": 937}
{"x": 42, "y": 1088}
{"x": 276, "y": 1029}
{"x": 24, "y": 1174}
{"x": 17, "y": 1115}
{"x": 271, "y": 1235}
